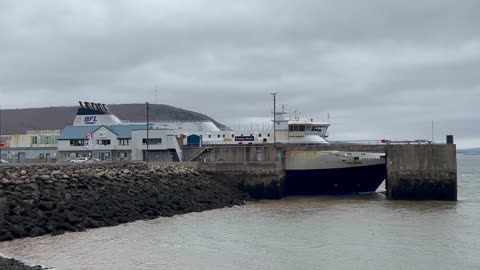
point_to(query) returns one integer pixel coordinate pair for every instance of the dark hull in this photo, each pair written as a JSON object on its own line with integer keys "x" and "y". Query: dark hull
{"x": 353, "y": 180}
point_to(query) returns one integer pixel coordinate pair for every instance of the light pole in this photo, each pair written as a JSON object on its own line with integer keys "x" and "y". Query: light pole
{"x": 274, "y": 94}
{"x": 148, "y": 127}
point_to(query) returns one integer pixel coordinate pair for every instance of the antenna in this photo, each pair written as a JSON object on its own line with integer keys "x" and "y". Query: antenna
{"x": 156, "y": 94}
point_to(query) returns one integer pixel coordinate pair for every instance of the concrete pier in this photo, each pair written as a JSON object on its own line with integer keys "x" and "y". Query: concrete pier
{"x": 421, "y": 172}
{"x": 265, "y": 180}
{"x": 414, "y": 171}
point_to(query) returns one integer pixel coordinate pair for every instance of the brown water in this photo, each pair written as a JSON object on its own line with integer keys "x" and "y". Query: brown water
{"x": 351, "y": 232}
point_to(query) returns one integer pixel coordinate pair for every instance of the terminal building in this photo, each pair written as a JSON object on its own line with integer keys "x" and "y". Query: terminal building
{"x": 97, "y": 133}
{"x": 117, "y": 143}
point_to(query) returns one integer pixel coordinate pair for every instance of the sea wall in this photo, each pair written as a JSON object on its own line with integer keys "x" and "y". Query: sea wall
{"x": 42, "y": 199}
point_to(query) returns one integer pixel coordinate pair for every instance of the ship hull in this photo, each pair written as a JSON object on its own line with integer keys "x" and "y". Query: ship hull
{"x": 335, "y": 181}
{"x": 333, "y": 172}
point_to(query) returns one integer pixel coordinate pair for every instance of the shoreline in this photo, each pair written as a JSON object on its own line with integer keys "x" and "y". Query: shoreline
{"x": 52, "y": 199}
{"x": 7, "y": 263}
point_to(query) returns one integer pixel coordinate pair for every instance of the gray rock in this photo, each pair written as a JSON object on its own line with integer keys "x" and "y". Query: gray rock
{"x": 44, "y": 177}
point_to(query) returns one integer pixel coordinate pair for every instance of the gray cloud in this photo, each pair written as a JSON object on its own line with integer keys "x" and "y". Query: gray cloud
{"x": 382, "y": 69}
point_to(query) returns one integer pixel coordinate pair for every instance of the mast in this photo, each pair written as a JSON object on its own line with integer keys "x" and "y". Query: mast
{"x": 274, "y": 94}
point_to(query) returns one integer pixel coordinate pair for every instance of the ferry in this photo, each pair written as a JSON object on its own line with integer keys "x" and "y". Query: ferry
{"x": 307, "y": 172}
{"x": 312, "y": 172}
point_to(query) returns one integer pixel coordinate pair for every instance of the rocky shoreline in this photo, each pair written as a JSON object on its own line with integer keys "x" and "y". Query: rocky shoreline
{"x": 12, "y": 264}
{"x": 51, "y": 199}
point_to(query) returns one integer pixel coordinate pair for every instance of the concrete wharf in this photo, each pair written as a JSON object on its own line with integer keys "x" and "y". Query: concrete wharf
{"x": 415, "y": 171}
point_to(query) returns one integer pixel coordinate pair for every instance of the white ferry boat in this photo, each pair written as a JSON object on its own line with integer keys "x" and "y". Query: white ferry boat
{"x": 312, "y": 172}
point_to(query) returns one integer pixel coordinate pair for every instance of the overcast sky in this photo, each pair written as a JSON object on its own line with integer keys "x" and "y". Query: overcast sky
{"x": 382, "y": 69}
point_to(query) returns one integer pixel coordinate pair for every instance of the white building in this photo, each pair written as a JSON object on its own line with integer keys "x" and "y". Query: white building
{"x": 118, "y": 142}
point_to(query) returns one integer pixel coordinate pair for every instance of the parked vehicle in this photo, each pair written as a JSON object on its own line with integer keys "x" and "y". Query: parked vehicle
{"x": 79, "y": 160}
{"x": 93, "y": 160}
{"x": 85, "y": 160}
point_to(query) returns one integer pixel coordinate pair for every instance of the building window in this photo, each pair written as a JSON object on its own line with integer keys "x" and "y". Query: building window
{"x": 78, "y": 142}
{"x": 152, "y": 141}
{"x": 123, "y": 141}
{"x": 104, "y": 142}
{"x": 34, "y": 140}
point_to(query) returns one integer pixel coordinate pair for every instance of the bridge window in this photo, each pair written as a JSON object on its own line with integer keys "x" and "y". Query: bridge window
{"x": 301, "y": 128}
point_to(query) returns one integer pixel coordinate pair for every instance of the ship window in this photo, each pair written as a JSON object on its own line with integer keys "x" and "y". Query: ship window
{"x": 209, "y": 135}
{"x": 218, "y": 136}
{"x": 223, "y": 135}
{"x": 260, "y": 135}
{"x": 233, "y": 135}
{"x": 268, "y": 135}
{"x": 290, "y": 128}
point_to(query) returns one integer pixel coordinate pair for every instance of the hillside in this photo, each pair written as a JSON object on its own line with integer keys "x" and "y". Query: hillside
{"x": 18, "y": 121}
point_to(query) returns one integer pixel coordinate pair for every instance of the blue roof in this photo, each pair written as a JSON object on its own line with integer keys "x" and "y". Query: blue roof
{"x": 80, "y": 132}
{"x": 125, "y": 131}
